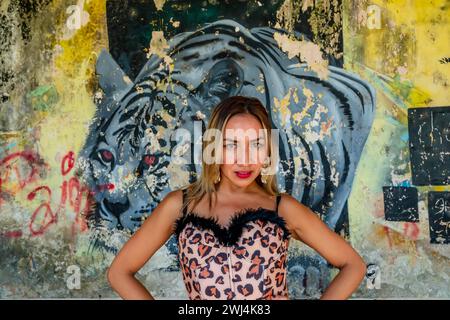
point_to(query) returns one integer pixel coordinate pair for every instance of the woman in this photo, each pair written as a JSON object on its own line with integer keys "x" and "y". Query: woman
{"x": 232, "y": 225}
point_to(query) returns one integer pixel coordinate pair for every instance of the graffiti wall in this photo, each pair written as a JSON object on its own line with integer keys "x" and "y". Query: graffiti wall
{"x": 94, "y": 94}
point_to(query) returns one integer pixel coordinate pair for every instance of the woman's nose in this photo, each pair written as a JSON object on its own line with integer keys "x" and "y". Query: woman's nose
{"x": 245, "y": 154}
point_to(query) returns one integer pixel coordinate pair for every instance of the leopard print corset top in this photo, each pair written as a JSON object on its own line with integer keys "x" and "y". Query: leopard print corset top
{"x": 245, "y": 260}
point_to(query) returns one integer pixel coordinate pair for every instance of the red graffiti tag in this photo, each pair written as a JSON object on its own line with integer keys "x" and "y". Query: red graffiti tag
{"x": 18, "y": 163}
{"x": 72, "y": 194}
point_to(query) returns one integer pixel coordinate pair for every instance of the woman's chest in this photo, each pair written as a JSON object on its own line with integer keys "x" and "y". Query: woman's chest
{"x": 258, "y": 242}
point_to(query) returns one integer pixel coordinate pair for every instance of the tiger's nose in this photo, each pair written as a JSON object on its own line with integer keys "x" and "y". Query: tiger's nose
{"x": 116, "y": 208}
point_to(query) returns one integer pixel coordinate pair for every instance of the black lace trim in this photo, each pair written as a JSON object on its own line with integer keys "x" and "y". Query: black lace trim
{"x": 230, "y": 235}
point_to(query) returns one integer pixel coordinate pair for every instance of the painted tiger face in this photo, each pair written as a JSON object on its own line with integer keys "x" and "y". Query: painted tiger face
{"x": 127, "y": 164}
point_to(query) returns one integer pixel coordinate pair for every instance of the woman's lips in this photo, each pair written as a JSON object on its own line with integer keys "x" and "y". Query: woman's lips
{"x": 243, "y": 174}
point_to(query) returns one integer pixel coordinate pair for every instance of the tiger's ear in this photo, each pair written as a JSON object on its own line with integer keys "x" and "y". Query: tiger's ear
{"x": 111, "y": 77}
{"x": 225, "y": 79}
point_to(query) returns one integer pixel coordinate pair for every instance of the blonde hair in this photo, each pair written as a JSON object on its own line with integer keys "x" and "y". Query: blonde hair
{"x": 219, "y": 117}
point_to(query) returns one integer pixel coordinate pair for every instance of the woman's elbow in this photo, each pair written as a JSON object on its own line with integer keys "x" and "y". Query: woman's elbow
{"x": 361, "y": 267}
{"x": 113, "y": 275}
{"x": 357, "y": 265}
{"x": 110, "y": 275}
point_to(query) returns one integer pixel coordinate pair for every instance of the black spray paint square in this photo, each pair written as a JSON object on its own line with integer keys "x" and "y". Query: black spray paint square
{"x": 400, "y": 204}
{"x": 429, "y": 145}
{"x": 439, "y": 216}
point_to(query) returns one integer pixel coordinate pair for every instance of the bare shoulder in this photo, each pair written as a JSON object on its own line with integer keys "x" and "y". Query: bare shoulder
{"x": 289, "y": 202}
{"x": 173, "y": 202}
{"x": 293, "y": 212}
{"x": 174, "y": 197}
{"x": 168, "y": 209}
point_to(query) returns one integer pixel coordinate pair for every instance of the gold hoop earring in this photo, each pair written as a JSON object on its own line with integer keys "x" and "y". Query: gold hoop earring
{"x": 264, "y": 178}
{"x": 218, "y": 178}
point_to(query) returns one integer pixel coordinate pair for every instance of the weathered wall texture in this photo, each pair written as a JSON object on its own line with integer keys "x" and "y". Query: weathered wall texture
{"x": 91, "y": 92}
{"x": 399, "y": 207}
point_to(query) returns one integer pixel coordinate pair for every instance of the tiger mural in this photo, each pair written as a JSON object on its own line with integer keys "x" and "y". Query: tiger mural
{"x": 129, "y": 142}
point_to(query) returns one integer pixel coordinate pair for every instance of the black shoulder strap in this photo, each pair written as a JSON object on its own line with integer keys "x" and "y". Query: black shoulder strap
{"x": 278, "y": 201}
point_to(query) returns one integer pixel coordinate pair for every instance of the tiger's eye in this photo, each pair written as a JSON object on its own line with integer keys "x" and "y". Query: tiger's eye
{"x": 106, "y": 155}
{"x": 149, "y": 159}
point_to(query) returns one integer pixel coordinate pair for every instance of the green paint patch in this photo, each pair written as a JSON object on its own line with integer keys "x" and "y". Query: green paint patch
{"x": 43, "y": 98}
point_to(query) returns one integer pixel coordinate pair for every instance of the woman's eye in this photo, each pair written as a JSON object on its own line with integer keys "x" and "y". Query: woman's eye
{"x": 230, "y": 145}
{"x": 258, "y": 145}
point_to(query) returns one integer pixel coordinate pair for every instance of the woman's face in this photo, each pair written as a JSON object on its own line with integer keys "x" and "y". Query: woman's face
{"x": 245, "y": 147}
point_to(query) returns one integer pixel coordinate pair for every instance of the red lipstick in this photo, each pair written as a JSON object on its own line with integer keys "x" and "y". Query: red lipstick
{"x": 243, "y": 174}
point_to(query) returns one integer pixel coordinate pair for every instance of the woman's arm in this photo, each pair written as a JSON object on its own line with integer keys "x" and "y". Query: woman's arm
{"x": 153, "y": 233}
{"x": 311, "y": 230}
